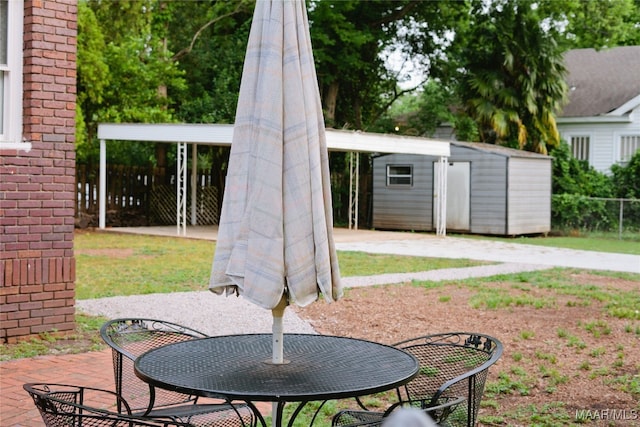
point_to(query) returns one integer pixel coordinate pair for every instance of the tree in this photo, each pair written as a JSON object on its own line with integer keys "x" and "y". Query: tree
{"x": 350, "y": 40}
{"x": 92, "y": 79}
{"x": 419, "y": 113}
{"x": 209, "y": 40}
{"x": 512, "y": 82}
{"x": 121, "y": 66}
{"x": 596, "y": 24}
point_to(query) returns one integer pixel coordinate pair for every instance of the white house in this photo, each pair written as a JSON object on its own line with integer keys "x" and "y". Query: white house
{"x": 601, "y": 120}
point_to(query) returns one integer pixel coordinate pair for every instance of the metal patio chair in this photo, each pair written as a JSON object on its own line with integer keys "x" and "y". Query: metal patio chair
{"x": 63, "y": 405}
{"x": 452, "y": 365}
{"x": 438, "y": 412}
{"x": 131, "y": 337}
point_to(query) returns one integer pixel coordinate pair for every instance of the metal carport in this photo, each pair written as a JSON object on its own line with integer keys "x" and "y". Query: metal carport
{"x": 222, "y": 135}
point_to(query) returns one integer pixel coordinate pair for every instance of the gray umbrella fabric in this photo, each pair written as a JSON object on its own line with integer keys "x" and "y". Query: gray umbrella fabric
{"x": 275, "y": 244}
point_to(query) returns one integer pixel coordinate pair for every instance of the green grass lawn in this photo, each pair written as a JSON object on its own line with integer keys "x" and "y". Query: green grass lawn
{"x": 111, "y": 264}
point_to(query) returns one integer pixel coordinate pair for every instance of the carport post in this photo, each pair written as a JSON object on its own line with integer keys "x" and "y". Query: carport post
{"x": 181, "y": 191}
{"x": 102, "y": 187}
{"x": 354, "y": 188}
{"x": 194, "y": 183}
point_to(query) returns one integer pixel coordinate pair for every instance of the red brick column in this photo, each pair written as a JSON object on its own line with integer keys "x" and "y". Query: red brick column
{"x": 37, "y": 265}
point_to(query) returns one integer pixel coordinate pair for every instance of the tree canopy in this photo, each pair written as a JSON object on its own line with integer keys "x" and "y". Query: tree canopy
{"x": 513, "y": 78}
{"x": 497, "y": 63}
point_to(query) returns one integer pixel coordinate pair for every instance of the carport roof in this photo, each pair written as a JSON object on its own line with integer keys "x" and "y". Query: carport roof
{"x": 222, "y": 134}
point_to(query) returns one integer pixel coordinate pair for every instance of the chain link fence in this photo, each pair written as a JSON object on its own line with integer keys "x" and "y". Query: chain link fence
{"x": 571, "y": 212}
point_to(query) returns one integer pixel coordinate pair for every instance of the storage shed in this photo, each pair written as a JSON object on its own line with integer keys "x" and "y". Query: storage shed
{"x": 490, "y": 190}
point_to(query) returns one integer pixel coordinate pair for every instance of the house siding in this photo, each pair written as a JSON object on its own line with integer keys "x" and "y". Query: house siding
{"x": 604, "y": 138}
{"x": 37, "y": 189}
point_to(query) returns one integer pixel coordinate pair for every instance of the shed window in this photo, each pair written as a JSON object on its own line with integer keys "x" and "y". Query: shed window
{"x": 629, "y": 144}
{"x": 580, "y": 147}
{"x": 400, "y": 175}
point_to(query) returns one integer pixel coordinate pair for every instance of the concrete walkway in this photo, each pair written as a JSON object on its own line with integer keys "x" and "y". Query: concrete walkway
{"x": 429, "y": 245}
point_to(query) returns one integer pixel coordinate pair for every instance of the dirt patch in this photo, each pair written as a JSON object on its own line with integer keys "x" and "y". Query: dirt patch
{"x": 563, "y": 352}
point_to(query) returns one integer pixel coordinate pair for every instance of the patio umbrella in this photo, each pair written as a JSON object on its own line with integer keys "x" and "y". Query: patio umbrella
{"x": 275, "y": 244}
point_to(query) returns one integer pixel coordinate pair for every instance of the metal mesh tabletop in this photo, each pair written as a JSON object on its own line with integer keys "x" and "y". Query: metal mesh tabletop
{"x": 317, "y": 367}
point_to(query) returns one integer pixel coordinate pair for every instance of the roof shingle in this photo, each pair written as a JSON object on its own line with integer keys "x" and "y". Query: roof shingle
{"x": 601, "y": 81}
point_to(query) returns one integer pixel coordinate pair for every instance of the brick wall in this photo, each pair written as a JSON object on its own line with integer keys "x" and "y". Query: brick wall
{"x": 37, "y": 265}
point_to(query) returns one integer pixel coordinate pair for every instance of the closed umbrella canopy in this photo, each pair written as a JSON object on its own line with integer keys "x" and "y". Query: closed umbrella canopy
{"x": 275, "y": 244}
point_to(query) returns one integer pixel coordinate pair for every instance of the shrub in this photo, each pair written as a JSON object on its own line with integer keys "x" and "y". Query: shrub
{"x": 573, "y": 176}
{"x": 626, "y": 181}
{"x": 577, "y": 212}
{"x": 573, "y": 182}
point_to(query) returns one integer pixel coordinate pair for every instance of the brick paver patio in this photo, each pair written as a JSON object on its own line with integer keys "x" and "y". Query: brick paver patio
{"x": 16, "y": 407}
{"x": 93, "y": 369}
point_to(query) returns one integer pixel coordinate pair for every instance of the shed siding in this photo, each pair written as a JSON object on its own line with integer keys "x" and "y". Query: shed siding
{"x": 403, "y": 208}
{"x": 509, "y": 194}
{"x": 529, "y": 196}
{"x": 488, "y": 189}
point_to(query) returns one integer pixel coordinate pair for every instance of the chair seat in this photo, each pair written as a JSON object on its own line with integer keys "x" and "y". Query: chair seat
{"x": 201, "y": 414}
{"x": 438, "y": 412}
{"x": 451, "y": 364}
{"x": 131, "y": 337}
{"x": 62, "y": 405}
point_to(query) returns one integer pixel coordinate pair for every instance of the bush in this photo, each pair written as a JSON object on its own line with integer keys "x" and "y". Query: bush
{"x": 578, "y": 212}
{"x": 573, "y": 176}
{"x": 573, "y": 182}
{"x": 626, "y": 181}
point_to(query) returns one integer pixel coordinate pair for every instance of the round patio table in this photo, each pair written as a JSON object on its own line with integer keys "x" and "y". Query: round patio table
{"x": 239, "y": 367}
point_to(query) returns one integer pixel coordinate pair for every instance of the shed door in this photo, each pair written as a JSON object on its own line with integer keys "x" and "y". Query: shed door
{"x": 458, "y": 194}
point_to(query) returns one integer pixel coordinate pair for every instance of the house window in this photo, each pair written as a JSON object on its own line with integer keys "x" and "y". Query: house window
{"x": 580, "y": 147}
{"x": 629, "y": 144}
{"x": 11, "y": 26}
{"x": 4, "y": 11}
{"x": 400, "y": 175}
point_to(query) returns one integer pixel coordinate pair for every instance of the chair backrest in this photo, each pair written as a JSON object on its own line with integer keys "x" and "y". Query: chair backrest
{"x": 63, "y": 405}
{"x": 452, "y": 364}
{"x": 128, "y": 339}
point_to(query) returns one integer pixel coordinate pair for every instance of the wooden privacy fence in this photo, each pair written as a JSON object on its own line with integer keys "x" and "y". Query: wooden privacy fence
{"x": 146, "y": 193}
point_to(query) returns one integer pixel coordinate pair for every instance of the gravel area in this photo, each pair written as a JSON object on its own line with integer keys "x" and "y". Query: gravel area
{"x": 221, "y": 315}
{"x": 204, "y": 311}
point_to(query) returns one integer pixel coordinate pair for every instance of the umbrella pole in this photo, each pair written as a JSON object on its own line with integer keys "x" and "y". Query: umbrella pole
{"x": 277, "y": 331}
{"x": 278, "y": 346}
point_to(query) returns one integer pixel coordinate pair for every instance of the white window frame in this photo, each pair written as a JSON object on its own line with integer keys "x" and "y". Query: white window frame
{"x": 391, "y": 176}
{"x": 624, "y": 155}
{"x": 11, "y": 136}
{"x": 589, "y": 146}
